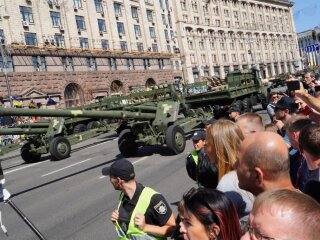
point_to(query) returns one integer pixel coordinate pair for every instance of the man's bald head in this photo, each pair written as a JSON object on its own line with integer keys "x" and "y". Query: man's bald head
{"x": 264, "y": 154}
{"x": 268, "y": 151}
{"x": 250, "y": 123}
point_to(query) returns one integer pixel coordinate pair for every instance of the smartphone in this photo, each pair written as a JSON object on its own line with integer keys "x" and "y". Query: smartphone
{"x": 317, "y": 88}
{"x": 293, "y": 85}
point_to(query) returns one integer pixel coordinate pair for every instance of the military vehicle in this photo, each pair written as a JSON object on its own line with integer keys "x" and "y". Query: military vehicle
{"x": 153, "y": 123}
{"x": 243, "y": 87}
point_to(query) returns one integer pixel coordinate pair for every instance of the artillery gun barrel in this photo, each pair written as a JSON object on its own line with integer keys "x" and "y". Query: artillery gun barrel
{"x": 22, "y": 131}
{"x": 145, "y": 108}
{"x": 33, "y": 125}
{"x": 76, "y": 113}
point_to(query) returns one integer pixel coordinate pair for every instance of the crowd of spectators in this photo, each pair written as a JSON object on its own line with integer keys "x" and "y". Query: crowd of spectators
{"x": 6, "y": 122}
{"x": 270, "y": 172}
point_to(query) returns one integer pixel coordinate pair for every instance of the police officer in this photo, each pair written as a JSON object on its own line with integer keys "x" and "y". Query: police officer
{"x": 198, "y": 165}
{"x": 142, "y": 213}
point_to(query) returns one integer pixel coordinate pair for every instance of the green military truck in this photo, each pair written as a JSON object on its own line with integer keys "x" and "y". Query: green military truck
{"x": 243, "y": 87}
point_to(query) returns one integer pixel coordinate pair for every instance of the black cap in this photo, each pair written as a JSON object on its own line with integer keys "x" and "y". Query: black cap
{"x": 209, "y": 122}
{"x": 121, "y": 168}
{"x": 199, "y": 135}
{"x": 286, "y": 103}
{"x": 234, "y": 109}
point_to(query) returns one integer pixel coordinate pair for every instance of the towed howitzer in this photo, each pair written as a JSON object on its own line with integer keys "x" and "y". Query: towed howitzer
{"x": 148, "y": 124}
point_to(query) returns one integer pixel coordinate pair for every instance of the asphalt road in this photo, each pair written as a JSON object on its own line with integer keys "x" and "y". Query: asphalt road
{"x": 70, "y": 199}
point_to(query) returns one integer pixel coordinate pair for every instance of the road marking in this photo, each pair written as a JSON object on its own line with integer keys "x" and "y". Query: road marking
{"x": 72, "y": 165}
{"x": 30, "y": 165}
{"x": 133, "y": 163}
{"x": 99, "y": 144}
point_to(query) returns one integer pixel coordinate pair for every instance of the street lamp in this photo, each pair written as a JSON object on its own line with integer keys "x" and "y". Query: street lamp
{"x": 4, "y": 56}
{"x": 5, "y": 68}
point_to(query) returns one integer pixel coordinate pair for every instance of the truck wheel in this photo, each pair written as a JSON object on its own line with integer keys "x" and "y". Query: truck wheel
{"x": 247, "y": 105}
{"x": 175, "y": 139}
{"x": 27, "y": 156}
{"x": 59, "y": 148}
{"x": 126, "y": 143}
{"x": 79, "y": 128}
{"x": 92, "y": 125}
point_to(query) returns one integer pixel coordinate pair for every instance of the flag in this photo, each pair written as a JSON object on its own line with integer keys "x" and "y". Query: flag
{"x": 16, "y": 101}
{"x": 51, "y": 102}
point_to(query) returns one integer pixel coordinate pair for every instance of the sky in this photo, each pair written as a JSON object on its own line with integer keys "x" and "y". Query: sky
{"x": 306, "y": 14}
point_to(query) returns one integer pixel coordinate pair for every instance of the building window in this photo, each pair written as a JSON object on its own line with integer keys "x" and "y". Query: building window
{"x": 192, "y": 58}
{"x": 120, "y": 27}
{"x": 212, "y": 45}
{"x": 169, "y": 20}
{"x": 232, "y": 45}
{"x": 59, "y": 41}
{"x": 234, "y": 58}
{"x": 102, "y": 25}
{"x": 214, "y": 58}
{"x": 43, "y": 64}
{"x": 190, "y": 44}
{"x": 140, "y": 46}
{"x": 26, "y": 14}
{"x": 164, "y": 20}
{"x": 77, "y": 3}
{"x": 92, "y": 65}
{"x": 67, "y": 63}
{"x": 152, "y": 32}
{"x": 149, "y": 15}
{"x": 105, "y": 44}
{"x": 124, "y": 46}
{"x": 31, "y": 38}
{"x": 201, "y": 45}
{"x": 117, "y": 9}
{"x": 55, "y": 18}
{"x": 168, "y": 48}
{"x": 154, "y": 47}
{"x": 137, "y": 30}
{"x": 183, "y": 5}
{"x": 84, "y": 42}
{"x": 203, "y": 58}
{"x": 98, "y": 4}
{"x": 80, "y": 22}
{"x": 224, "y": 58}
{"x": 35, "y": 63}
{"x": 134, "y": 12}
{"x": 166, "y": 34}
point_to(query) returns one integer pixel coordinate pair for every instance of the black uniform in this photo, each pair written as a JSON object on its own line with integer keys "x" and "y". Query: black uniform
{"x": 205, "y": 173}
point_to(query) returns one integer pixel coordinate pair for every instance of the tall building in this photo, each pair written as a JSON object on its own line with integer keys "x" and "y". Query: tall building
{"x": 74, "y": 51}
{"x": 309, "y": 47}
{"x": 218, "y": 36}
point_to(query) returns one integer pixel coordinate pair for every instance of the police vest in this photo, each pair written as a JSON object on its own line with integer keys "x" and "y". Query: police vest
{"x": 135, "y": 233}
{"x": 195, "y": 156}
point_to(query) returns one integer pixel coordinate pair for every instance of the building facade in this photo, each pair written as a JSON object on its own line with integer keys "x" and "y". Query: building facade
{"x": 309, "y": 47}
{"x": 218, "y": 36}
{"x": 77, "y": 50}
{"x": 74, "y": 51}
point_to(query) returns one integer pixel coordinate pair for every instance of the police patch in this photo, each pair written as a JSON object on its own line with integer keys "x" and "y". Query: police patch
{"x": 161, "y": 208}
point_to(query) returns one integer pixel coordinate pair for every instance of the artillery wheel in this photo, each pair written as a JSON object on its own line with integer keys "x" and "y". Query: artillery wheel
{"x": 247, "y": 105}
{"x": 27, "y": 156}
{"x": 127, "y": 144}
{"x": 175, "y": 139}
{"x": 59, "y": 148}
{"x": 79, "y": 128}
{"x": 92, "y": 125}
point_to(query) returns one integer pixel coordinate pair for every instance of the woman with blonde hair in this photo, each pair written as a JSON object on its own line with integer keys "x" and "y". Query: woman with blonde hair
{"x": 222, "y": 144}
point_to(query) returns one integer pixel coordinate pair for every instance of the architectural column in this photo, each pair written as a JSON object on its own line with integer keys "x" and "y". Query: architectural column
{"x": 286, "y": 67}
{"x": 222, "y": 73}
{"x": 273, "y": 72}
